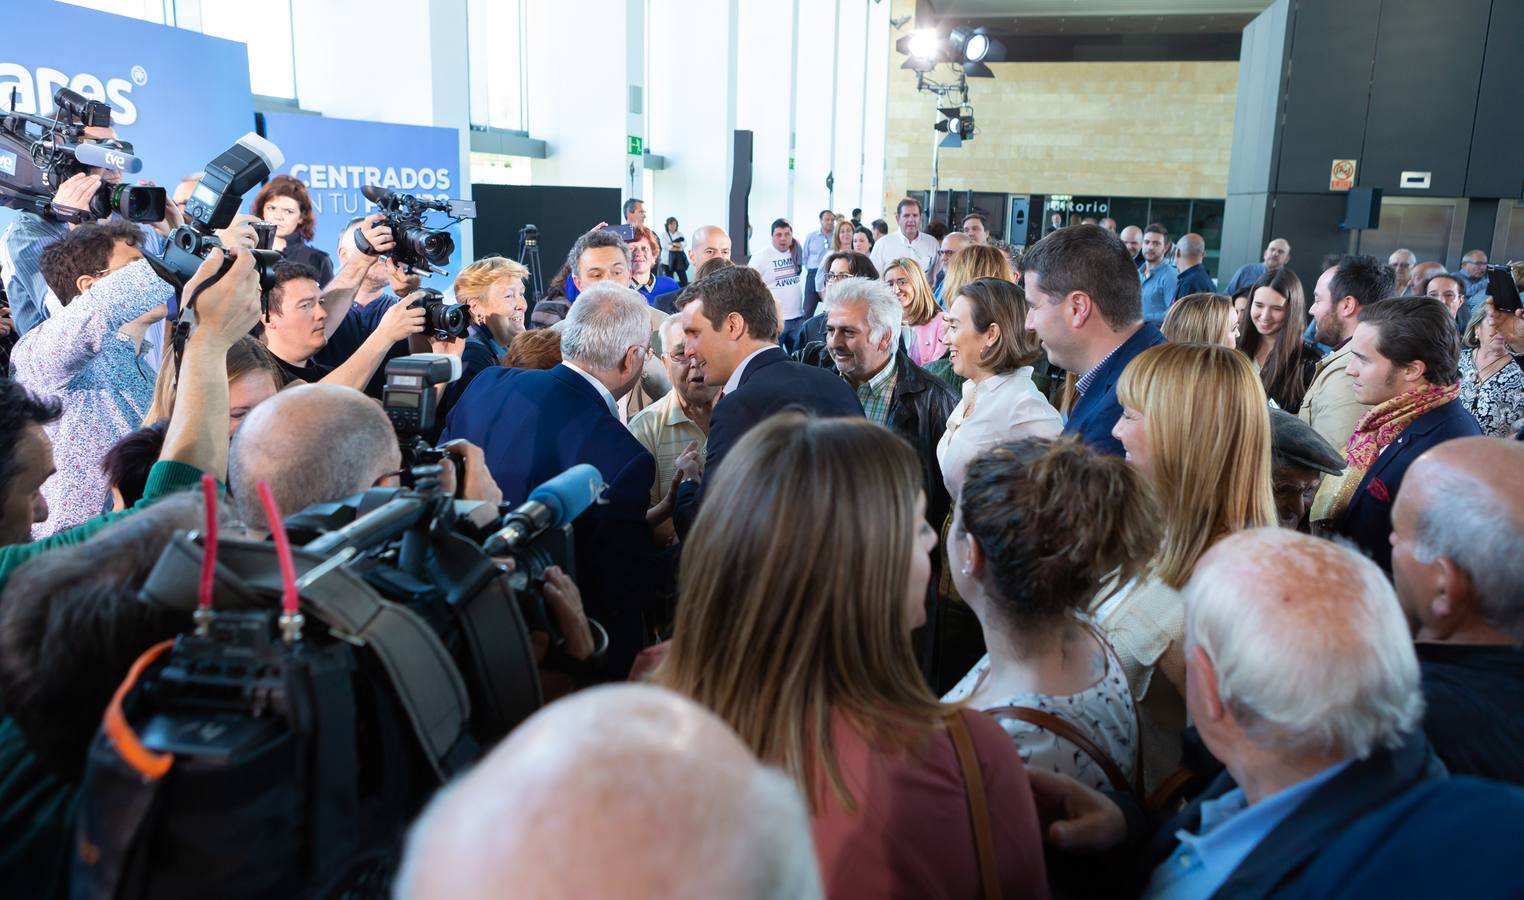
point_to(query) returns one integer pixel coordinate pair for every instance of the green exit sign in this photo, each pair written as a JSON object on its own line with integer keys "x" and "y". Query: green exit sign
{"x": 637, "y": 146}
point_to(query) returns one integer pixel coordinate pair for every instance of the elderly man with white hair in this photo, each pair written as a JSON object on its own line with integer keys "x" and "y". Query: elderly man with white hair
{"x": 863, "y": 319}
{"x": 533, "y": 425}
{"x": 626, "y": 792}
{"x": 1302, "y": 680}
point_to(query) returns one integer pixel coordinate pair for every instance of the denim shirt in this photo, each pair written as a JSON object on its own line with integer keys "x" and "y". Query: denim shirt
{"x": 1158, "y": 292}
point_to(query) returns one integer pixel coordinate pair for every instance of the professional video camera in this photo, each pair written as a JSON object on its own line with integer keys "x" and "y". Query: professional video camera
{"x": 38, "y": 153}
{"x": 418, "y": 248}
{"x": 283, "y": 748}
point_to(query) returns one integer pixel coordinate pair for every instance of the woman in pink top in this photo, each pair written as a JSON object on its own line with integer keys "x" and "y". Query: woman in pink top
{"x": 794, "y": 627}
{"x": 924, "y": 326}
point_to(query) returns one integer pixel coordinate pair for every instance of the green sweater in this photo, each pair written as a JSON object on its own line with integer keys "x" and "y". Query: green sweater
{"x": 37, "y": 807}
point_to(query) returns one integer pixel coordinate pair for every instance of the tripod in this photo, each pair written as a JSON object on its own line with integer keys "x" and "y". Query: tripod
{"x": 529, "y": 258}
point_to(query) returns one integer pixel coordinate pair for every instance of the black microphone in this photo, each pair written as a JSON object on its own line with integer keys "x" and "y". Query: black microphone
{"x": 374, "y": 193}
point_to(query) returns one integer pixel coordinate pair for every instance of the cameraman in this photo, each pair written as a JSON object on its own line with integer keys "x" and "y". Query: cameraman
{"x": 29, "y": 235}
{"x": 299, "y": 322}
{"x": 92, "y": 357}
{"x": 382, "y": 284}
{"x": 320, "y": 443}
{"x": 197, "y": 440}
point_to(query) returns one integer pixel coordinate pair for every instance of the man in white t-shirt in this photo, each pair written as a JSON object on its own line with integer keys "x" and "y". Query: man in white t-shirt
{"x": 782, "y": 268}
{"x": 908, "y": 241}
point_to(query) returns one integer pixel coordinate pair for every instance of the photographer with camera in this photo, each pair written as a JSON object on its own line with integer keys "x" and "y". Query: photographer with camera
{"x": 92, "y": 357}
{"x": 196, "y": 442}
{"x": 299, "y": 320}
{"x": 382, "y": 283}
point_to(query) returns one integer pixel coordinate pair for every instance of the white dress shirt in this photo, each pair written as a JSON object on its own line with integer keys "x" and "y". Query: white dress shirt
{"x": 735, "y": 377}
{"x": 1006, "y": 407}
{"x": 603, "y": 392}
{"x": 893, "y": 246}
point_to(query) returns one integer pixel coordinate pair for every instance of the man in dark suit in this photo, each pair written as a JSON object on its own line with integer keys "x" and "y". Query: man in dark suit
{"x": 1458, "y": 567}
{"x": 1403, "y": 360}
{"x": 732, "y": 332}
{"x": 1085, "y": 303}
{"x": 533, "y": 425}
{"x": 1310, "y": 697}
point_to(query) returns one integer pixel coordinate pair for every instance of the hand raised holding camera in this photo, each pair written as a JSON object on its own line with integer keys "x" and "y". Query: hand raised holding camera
{"x": 229, "y": 307}
{"x": 372, "y": 238}
{"x": 402, "y": 320}
{"x": 77, "y": 191}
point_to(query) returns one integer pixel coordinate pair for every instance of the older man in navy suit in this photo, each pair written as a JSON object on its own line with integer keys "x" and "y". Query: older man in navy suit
{"x": 732, "y": 332}
{"x": 533, "y": 425}
{"x": 1085, "y": 303}
{"x": 1303, "y": 681}
{"x": 1403, "y": 361}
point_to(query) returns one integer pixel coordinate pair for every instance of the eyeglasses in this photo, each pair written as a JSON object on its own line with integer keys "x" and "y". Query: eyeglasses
{"x": 898, "y": 282}
{"x": 837, "y": 276}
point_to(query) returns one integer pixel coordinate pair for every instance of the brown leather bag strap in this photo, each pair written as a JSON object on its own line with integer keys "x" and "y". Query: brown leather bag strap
{"x": 1062, "y": 728}
{"x": 978, "y": 805}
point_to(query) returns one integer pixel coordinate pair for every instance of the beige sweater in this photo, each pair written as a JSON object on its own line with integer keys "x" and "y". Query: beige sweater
{"x": 1146, "y": 625}
{"x": 1330, "y": 406}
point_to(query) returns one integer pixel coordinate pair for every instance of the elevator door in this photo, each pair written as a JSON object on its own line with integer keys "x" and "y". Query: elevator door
{"x": 1421, "y": 225}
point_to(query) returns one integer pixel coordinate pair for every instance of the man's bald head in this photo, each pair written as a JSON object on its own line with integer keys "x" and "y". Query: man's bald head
{"x": 1277, "y": 253}
{"x": 1309, "y": 649}
{"x": 1420, "y": 275}
{"x": 314, "y": 443}
{"x": 1132, "y": 237}
{"x": 1191, "y": 249}
{"x": 1458, "y": 538}
{"x": 630, "y": 790}
{"x": 708, "y": 242}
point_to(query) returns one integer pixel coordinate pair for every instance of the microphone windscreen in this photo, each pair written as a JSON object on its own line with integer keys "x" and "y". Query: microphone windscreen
{"x": 569, "y": 494}
{"x": 107, "y": 158}
{"x": 373, "y": 193}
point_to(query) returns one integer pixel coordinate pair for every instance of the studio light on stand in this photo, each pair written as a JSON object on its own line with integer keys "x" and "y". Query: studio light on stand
{"x": 967, "y": 51}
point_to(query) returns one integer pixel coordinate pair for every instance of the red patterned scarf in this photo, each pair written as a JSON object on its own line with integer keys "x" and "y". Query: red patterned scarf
{"x": 1375, "y": 430}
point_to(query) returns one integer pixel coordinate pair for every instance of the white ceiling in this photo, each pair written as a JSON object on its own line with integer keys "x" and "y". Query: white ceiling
{"x": 983, "y": 8}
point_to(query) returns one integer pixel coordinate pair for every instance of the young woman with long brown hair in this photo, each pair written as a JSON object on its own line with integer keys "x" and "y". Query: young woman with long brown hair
{"x": 804, "y": 575}
{"x": 1271, "y": 335}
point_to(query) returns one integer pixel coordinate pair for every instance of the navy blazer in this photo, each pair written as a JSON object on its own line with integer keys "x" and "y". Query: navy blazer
{"x": 1390, "y": 825}
{"x": 1096, "y": 413}
{"x": 533, "y": 425}
{"x": 770, "y": 383}
{"x": 1368, "y": 520}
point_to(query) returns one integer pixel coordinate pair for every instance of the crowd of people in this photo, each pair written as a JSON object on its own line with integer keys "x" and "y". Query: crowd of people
{"x": 943, "y": 570}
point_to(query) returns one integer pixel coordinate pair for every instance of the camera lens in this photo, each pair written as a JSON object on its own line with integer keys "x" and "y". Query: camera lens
{"x": 450, "y": 319}
{"x": 133, "y": 202}
{"x": 434, "y": 246}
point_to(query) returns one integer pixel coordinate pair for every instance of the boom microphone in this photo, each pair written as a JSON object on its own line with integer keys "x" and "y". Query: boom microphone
{"x": 375, "y": 194}
{"x": 104, "y": 157}
{"x": 551, "y": 505}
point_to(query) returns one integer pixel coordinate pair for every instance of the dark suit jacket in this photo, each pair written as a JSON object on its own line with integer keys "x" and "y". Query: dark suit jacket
{"x": 1390, "y": 825}
{"x": 1368, "y": 520}
{"x": 1096, "y": 413}
{"x": 532, "y": 426}
{"x": 770, "y": 383}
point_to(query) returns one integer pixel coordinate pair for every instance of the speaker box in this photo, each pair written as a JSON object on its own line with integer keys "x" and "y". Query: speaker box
{"x": 740, "y": 193}
{"x": 1362, "y": 209}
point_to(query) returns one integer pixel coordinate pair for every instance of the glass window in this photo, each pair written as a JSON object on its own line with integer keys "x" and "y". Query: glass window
{"x": 1206, "y": 220}
{"x": 272, "y": 66}
{"x": 147, "y": 10}
{"x": 496, "y": 35}
{"x": 1174, "y": 215}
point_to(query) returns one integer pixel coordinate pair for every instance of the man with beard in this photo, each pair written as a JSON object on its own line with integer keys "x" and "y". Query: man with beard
{"x": 862, "y": 336}
{"x": 1330, "y": 405}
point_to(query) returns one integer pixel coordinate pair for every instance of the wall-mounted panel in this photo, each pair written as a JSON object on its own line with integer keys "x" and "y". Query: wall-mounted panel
{"x": 1497, "y": 140}
{"x": 1328, "y": 90}
{"x": 1423, "y": 94}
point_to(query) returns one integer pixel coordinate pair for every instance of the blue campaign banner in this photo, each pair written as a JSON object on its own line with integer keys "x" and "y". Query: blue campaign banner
{"x": 179, "y": 97}
{"x": 335, "y": 158}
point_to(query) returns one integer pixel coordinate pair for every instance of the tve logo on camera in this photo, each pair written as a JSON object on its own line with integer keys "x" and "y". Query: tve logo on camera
{"x": 33, "y": 90}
